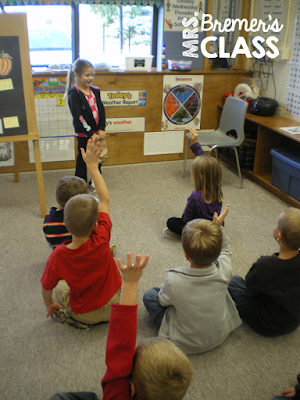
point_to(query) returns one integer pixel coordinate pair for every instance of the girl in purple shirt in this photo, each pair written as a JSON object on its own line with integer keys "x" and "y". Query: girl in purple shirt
{"x": 206, "y": 199}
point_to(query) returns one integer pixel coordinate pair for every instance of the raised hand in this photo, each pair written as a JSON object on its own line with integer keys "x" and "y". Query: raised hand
{"x": 193, "y": 136}
{"x": 131, "y": 273}
{"x": 92, "y": 153}
{"x": 218, "y": 219}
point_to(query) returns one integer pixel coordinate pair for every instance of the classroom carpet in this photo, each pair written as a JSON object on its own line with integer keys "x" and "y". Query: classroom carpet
{"x": 40, "y": 356}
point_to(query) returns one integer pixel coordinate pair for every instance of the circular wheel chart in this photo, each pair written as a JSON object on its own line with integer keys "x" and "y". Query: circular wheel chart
{"x": 182, "y": 104}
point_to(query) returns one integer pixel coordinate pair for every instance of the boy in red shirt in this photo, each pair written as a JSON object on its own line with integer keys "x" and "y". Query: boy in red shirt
{"x": 156, "y": 368}
{"x": 82, "y": 272}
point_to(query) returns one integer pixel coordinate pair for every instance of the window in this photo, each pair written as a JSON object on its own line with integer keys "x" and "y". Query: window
{"x": 106, "y": 32}
{"x": 49, "y": 33}
{"x": 109, "y": 32}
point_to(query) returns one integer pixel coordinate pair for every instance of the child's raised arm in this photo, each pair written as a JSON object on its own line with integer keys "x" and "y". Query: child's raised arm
{"x": 91, "y": 157}
{"x": 218, "y": 219}
{"x": 131, "y": 274}
{"x": 193, "y": 136}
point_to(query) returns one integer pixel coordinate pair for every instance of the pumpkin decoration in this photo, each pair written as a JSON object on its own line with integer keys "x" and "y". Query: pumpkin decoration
{"x": 5, "y": 63}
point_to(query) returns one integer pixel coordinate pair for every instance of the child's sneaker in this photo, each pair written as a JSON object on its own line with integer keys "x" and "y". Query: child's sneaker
{"x": 91, "y": 187}
{"x": 92, "y": 190}
{"x": 170, "y": 235}
{"x": 113, "y": 249}
{"x": 65, "y": 318}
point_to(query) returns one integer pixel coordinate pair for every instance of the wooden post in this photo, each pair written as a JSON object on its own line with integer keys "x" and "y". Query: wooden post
{"x": 38, "y": 164}
{"x": 12, "y": 25}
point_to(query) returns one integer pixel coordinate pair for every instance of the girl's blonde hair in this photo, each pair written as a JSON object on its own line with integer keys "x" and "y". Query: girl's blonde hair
{"x": 207, "y": 177}
{"x": 78, "y": 66}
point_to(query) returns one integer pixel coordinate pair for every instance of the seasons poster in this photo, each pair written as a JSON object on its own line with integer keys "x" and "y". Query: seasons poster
{"x": 182, "y": 102}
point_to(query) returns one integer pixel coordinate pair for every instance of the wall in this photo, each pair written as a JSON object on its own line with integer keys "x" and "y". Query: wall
{"x": 282, "y": 68}
{"x": 127, "y": 148}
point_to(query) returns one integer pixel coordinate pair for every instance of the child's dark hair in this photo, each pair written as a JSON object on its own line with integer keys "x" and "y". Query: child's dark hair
{"x": 207, "y": 176}
{"x": 68, "y": 187}
{"x": 202, "y": 241}
{"x": 78, "y": 66}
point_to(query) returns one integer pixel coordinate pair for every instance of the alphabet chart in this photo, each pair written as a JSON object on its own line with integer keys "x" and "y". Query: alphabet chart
{"x": 275, "y": 9}
{"x": 293, "y": 93}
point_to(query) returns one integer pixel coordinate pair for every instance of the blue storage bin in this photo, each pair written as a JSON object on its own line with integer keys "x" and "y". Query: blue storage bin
{"x": 286, "y": 171}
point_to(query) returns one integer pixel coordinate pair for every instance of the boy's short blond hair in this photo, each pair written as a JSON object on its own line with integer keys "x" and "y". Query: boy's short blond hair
{"x": 202, "y": 241}
{"x": 81, "y": 214}
{"x": 160, "y": 370}
{"x": 289, "y": 226}
{"x": 68, "y": 187}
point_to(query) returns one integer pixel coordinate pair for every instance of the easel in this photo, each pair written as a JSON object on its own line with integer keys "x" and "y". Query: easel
{"x": 16, "y": 25}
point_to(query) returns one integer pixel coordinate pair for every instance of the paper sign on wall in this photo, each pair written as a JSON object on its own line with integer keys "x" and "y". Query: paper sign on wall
{"x": 6, "y": 154}
{"x": 121, "y": 98}
{"x": 49, "y": 86}
{"x": 11, "y": 122}
{"x": 127, "y": 124}
{"x": 54, "y": 149}
{"x": 176, "y": 10}
{"x": 6, "y": 84}
{"x": 182, "y": 101}
{"x": 163, "y": 142}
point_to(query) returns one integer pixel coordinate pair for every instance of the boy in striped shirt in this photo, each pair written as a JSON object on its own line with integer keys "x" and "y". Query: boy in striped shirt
{"x": 54, "y": 225}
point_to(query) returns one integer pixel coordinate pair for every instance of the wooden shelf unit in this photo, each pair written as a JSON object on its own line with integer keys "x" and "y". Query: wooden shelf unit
{"x": 269, "y": 136}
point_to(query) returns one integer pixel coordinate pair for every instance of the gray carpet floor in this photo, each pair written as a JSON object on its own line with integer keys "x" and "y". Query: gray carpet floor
{"x": 40, "y": 356}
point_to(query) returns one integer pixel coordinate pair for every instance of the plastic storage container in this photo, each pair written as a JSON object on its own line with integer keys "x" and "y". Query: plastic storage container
{"x": 179, "y": 65}
{"x": 138, "y": 63}
{"x": 286, "y": 171}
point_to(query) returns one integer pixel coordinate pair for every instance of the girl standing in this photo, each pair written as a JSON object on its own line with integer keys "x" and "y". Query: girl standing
{"x": 206, "y": 199}
{"x": 86, "y": 108}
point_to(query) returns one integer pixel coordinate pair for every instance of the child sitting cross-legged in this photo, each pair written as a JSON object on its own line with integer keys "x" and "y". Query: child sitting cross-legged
{"x": 54, "y": 225}
{"x": 193, "y": 307}
{"x": 268, "y": 299}
{"x": 82, "y": 272}
{"x": 206, "y": 199}
{"x": 155, "y": 369}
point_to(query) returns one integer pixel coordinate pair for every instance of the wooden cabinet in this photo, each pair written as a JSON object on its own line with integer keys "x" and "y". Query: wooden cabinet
{"x": 268, "y": 136}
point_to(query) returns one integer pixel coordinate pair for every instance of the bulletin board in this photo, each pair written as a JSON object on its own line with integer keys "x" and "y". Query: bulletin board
{"x": 12, "y": 111}
{"x": 17, "y": 111}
